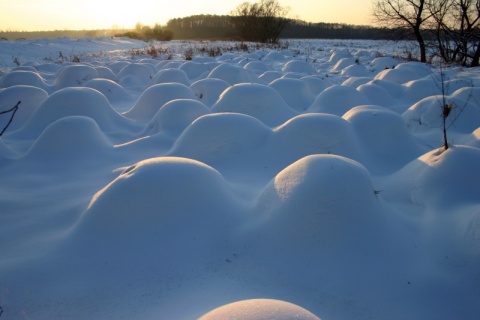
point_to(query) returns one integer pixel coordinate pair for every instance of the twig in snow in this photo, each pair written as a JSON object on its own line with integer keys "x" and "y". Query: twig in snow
{"x": 13, "y": 111}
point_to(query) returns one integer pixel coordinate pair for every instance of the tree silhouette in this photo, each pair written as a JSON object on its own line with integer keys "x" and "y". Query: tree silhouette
{"x": 404, "y": 14}
{"x": 262, "y": 21}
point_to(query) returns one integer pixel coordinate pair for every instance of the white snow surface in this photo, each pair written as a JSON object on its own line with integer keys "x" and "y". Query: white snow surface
{"x": 300, "y": 183}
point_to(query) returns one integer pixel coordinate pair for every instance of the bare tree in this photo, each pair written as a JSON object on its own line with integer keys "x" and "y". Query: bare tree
{"x": 446, "y": 49}
{"x": 404, "y": 14}
{"x": 457, "y": 31}
{"x": 450, "y": 110}
{"x": 244, "y": 19}
{"x": 262, "y": 21}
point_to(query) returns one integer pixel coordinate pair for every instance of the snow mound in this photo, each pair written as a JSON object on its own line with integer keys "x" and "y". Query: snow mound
{"x": 383, "y": 63}
{"x": 175, "y": 116}
{"x": 143, "y": 215}
{"x": 426, "y": 114}
{"x": 74, "y": 75}
{"x": 259, "y": 67}
{"x": 194, "y": 70}
{"x": 435, "y": 180}
{"x": 48, "y": 68}
{"x": 298, "y": 66}
{"x": 68, "y": 143}
{"x": 355, "y": 82}
{"x": 472, "y": 140}
{"x": 233, "y": 74}
{"x": 396, "y": 90}
{"x": 295, "y": 93}
{"x": 25, "y": 78}
{"x": 418, "y": 68}
{"x": 316, "y": 84}
{"x": 355, "y": 70}
{"x": 163, "y": 181}
{"x": 117, "y": 66}
{"x": 25, "y": 68}
{"x": 270, "y": 76}
{"x": 257, "y": 100}
{"x": 144, "y": 211}
{"x": 135, "y": 75}
{"x": 337, "y": 100}
{"x": 115, "y": 93}
{"x": 209, "y": 90}
{"x": 154, "y": 97}
{"x": 383, "y": 137}
{"x": 105, "y": 73}
{"x": 167, "y": 64}
{"x": 314, "y": 133}
{"x": 227, "y": 57}
{"x": 260, "y": 309}
{"x": 343, "y": 63}
{"x": 338, "y": 55}
{"x": 275, "y": 56}
{"x": 294, "y": 75}
{"x": 222, "y": 137}
{"x": 170, "y": 75}
{"x": 324, "y": 196}
{"x": 205, "y": 60}
{"x": 74, "y": 102}
{"x": 147, "y": 61}
{"x": 416, "y": 90}
{"x": 378, "y": 96}
{"x": 398, "y": 75}
{"x": 31, "y": 98}
{"x": 468, "y": 94}
{"x": 453, "y": 85}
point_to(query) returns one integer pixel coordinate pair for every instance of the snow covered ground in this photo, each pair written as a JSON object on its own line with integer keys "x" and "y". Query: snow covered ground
{"x": 298, "y": 183}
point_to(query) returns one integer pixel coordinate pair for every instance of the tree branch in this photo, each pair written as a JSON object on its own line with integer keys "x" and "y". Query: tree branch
{"x": 13, "y": 111}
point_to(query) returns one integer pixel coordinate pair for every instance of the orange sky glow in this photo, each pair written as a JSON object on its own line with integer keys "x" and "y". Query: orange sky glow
{"x": 34, "y": 15}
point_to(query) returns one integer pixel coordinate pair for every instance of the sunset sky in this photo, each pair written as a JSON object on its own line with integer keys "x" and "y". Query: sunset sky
{"x": 31, "y": 15}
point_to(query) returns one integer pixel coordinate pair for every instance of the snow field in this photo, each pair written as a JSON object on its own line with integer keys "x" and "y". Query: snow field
{"x": 275, "y": 184}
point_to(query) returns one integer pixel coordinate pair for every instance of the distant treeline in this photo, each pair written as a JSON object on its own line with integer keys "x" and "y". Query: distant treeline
{"x": 305, "y": 30}
{"x": 76, "y": 34}
{"x": 202, "y": 27}
{"x": 221, "y": 27}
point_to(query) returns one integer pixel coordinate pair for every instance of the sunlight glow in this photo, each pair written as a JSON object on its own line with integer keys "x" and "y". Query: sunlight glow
{"x": 34, "y": 15}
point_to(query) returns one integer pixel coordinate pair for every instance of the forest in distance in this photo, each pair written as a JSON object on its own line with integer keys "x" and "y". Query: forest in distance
{"x": 219, "y": 27}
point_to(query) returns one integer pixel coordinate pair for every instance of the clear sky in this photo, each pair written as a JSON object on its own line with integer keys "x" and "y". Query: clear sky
{"x": 31, "y": 15}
